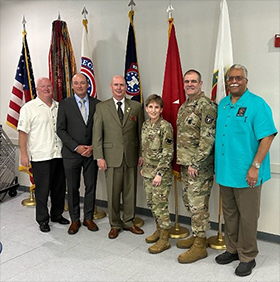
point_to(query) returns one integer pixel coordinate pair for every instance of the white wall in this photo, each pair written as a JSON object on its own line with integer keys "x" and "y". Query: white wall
{"x": 253, "y": 24}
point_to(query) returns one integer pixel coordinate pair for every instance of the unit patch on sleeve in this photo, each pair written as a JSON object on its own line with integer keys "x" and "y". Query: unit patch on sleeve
{"x": 209, "y": 119}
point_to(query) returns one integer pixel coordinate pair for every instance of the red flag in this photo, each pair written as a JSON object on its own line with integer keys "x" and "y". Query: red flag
{"x": 173, "y": 93}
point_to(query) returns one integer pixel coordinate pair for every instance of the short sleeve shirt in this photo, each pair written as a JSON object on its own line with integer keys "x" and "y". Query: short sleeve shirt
{"x": 240, "y": 128}
{"x": 38, "y": 121}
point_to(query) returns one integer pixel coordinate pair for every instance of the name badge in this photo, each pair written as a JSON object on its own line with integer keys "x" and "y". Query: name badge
{"x": 241, "y": 111}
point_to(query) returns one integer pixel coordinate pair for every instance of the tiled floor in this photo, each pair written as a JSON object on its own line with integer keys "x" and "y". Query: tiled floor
{"x": 30, "y": 255}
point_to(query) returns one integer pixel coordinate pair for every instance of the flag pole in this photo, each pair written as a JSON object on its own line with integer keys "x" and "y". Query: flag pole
{"x": 137, "y": 220}
{"x": 97, "y": 214}
{"x": 217, "y": 242}
{"x": 223, "y": 60}
{"x": 31, "y": 200}
{"x": 176, "y": 231}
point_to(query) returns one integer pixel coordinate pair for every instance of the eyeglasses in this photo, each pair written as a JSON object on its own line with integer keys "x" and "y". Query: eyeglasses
{"x": 236, "y": 78}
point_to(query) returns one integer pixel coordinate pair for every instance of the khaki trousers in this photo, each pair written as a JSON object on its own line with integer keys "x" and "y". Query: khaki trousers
{"x": 121, "y": 183}
{"x": 241, "y": 210}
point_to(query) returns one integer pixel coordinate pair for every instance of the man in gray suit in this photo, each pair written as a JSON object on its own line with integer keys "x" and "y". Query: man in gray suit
{"x": 74, "y": 127}
{"x": 116, "y": 147}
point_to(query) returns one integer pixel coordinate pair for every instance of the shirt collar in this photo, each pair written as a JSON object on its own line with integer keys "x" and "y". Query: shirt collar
{"x": 78, "y": 99}
{"x": 116, "y": 101}
{"x": 42, "y": 103}
{"x": 242, "y": 99}
{"x": 195, "y": 97}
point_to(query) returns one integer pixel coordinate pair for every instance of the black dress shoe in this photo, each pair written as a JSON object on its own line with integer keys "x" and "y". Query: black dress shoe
{"x": 245, "y": 268}
{"x": 61, "y": 220}
{"x": 226, "y": 258}
{"x": 44, "y": 227}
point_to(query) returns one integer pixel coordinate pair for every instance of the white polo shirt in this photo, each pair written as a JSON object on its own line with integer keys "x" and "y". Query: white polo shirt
{"x": 39, "y": 122}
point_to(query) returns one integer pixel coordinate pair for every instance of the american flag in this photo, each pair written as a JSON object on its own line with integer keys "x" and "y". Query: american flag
{"x": 24, "y": 85}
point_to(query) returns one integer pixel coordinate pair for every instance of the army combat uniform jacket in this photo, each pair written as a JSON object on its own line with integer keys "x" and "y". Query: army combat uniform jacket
{"x": 157, "y": 148}
{"x": 196, "y": 123}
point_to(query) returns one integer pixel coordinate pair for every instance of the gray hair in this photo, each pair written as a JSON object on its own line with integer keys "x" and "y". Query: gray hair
{"x": 238, "y": 66}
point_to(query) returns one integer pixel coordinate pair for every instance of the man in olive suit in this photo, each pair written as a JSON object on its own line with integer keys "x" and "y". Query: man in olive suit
{"x": 116, "y": 147}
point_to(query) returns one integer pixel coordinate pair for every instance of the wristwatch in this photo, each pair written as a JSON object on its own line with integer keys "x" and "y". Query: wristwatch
{"x": 256, "y": 165}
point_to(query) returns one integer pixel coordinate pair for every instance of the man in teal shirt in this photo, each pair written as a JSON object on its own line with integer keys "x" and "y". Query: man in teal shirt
{"x": 244, "y": 133}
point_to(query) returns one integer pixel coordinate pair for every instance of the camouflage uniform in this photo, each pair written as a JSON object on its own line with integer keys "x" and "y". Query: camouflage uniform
{"x": 196, "y": 123}
{"x": 157, "y": 153}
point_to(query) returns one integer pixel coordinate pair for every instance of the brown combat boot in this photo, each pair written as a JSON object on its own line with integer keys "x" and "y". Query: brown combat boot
{"x": 196, "y": 252}
{"x": 155, "y": 236}
{"x": 187, "y": 243}
{"x": 162, "y": 243}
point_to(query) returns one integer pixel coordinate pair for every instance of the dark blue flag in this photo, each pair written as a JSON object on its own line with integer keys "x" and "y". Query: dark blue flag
{"x": 132, "y": 76}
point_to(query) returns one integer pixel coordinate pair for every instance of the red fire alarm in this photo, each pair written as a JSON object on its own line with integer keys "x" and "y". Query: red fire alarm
{"x": 277, "y": 40}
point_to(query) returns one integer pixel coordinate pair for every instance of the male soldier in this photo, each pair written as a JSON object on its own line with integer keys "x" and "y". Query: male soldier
{"x": 196, "y": 122}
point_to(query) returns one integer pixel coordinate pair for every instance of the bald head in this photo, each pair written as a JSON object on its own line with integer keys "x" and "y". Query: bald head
{"x": 118, "y": 87}
{"x": 80, "y": 85}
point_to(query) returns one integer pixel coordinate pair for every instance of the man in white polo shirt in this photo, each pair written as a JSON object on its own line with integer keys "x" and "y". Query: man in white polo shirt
{"x": 40, "y": 146}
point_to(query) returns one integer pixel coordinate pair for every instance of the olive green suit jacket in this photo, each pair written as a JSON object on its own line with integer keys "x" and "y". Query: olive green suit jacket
{"x": 113, "y": 141}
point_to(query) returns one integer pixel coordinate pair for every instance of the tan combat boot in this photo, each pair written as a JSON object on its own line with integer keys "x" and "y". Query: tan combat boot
{"x": 162, "y": 243}
{"x": 187, "y": 243}
{"x": 155, "y": 236}
{"x": 196, "y": 252}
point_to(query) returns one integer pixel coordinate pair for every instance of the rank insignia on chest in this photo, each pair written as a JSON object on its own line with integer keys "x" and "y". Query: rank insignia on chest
{"x": 241, "y": 111}
{"x": 209, "y": 119}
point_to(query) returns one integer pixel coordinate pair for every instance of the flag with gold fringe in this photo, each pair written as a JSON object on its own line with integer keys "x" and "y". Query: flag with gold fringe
{"x": 23, "y": 91}
{"x": 223, "y": 56}
{"x": 24, "y": 86}
{"x": 132, "y": 75}
{"x": 173, "y": 94}
{"x": 87, "y": 67}
{"x": 62, "y": 64}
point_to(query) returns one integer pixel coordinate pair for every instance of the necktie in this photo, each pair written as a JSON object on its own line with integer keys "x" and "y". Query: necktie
{"x": 83, "y": 109}
{"x": 120, "y": 112}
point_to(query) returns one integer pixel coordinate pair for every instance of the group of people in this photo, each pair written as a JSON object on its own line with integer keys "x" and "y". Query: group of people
{"x": 83, "y": 134}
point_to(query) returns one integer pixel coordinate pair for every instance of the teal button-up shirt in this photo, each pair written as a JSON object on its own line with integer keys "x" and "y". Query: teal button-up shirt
{"x": 240, "y": 128}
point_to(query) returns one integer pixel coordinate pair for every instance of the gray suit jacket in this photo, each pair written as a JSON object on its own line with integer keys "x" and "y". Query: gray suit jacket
{"x": 71, "y": 127}
{"x": 111, "y": 140}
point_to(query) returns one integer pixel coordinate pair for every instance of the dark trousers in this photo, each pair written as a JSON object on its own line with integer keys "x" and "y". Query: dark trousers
{"x": 73, "y": 169}
{"x": 49, "y": 179}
